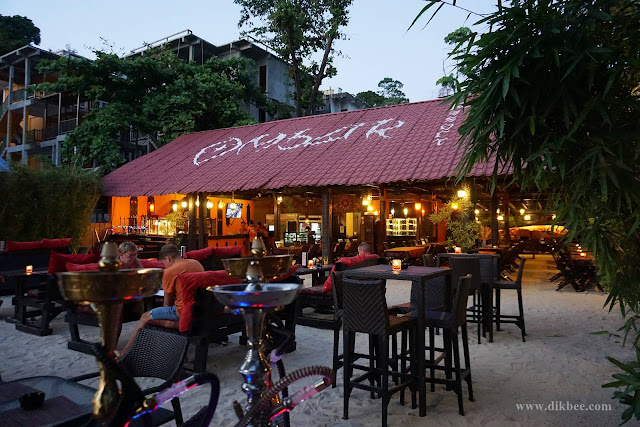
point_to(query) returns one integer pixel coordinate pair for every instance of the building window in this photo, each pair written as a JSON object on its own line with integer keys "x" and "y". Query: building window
{"x": 263, "y": 78}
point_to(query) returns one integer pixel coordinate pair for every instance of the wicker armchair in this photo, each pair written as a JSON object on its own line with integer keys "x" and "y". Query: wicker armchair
{"x": 154, "y": 354}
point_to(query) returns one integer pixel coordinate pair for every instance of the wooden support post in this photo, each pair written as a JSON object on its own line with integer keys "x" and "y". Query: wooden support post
{"x": 9, "y": 101}
{"x": 191, "y": 198}
{"x": 505, "y": 203}
{"x": 327, "y": 229}
{"x": 202, "y": 217}
{"x": 493, "y": 207}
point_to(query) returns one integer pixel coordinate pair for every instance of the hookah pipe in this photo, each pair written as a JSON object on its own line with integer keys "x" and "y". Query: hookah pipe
{"x": 266, "y": 405}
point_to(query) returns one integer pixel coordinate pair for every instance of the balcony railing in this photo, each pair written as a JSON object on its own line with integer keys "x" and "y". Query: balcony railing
{"x": 67, "y": 126}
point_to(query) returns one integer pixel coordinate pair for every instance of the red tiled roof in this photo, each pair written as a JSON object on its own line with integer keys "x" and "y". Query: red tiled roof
{"x": 416, "y": 141}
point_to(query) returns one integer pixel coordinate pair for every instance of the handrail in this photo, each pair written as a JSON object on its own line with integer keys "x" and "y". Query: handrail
{"x": 163, "y": 40}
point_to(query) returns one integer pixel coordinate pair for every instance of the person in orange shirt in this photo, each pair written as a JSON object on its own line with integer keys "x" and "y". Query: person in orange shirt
{"x": 172, "y": 307}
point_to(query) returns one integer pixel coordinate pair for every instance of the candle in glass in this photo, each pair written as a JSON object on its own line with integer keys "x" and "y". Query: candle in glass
{"x": 29, "y": 269}
{"x": 458, "y": 250}
{"x": 396, "y": 264}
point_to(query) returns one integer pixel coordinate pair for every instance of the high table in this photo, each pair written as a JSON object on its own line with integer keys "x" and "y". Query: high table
{"x": 405, "y": 252}
{"x": 66, "y": 402}
{"x": 418, "y": 276}
{"x": 489, "y": 270}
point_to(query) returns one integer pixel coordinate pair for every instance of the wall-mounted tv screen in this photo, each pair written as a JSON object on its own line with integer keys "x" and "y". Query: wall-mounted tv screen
{"x": 234, "y": 213}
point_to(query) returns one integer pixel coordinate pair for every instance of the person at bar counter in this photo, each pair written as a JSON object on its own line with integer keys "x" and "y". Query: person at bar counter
{"x": 311, "y": 235}
{"x": 262, "y": 232}
{"x": 364, "y": 253}
{"x": 172, "y": 307}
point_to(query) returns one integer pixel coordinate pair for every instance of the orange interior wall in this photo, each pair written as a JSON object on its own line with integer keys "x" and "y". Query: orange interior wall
{"x": 120, "y": 210}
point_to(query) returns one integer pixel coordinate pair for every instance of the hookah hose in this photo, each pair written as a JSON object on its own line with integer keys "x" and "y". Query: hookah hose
{"x": 264, "y": 403}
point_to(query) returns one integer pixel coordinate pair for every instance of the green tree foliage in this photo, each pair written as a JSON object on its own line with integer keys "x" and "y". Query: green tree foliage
{"x": 17, "y": 31}
{"x": 389, "y": 93}
{"x": 449, "y": 83}
{"x": 157, "y": 94}
{"x": 48, "y": 202}
{"x": 553, "y": 90}
{"x": 296, "y": 30}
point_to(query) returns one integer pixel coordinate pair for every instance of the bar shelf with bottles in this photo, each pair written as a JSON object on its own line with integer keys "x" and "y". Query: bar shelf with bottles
{"x": 402, "y": 226}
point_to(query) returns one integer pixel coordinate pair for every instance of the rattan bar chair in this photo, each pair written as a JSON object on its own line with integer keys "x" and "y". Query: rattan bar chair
{"x": 365, "y": 311}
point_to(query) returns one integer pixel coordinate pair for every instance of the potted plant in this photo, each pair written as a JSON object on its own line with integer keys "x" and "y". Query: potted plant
{"x": 462, "y": 229}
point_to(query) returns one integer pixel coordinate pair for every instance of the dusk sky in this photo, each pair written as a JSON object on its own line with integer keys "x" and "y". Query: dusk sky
{"x": 378, "y": 43}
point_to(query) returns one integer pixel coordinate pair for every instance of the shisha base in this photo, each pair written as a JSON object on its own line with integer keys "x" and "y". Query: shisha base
{"x": 254, "y": 301}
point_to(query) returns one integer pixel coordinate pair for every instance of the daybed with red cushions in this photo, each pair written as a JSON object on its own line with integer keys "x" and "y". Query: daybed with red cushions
{"x": 211, "y": 257}
{"x": 17, "y": 255}
{"x": 321, "y": 296}
{"x": 84, "y": 314}
{"x": 203, "y": 318}
{"x": 37, "y": 300}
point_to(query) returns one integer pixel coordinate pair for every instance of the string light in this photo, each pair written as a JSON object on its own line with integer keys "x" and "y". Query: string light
{"x": 521, "y": 211}
{"x": 477, "y": 211}
{"x": 527, "y": 217}
{"x": 209, "y": 204}
{"x": 454, "y": 206}
{"x": 183, "y": 204}
{"x": 174, "y": 207}
{"x": 462, "y": 194}
{"x": 418, "y": 206}
{"x": 500, "y": 218}
{"x": 220, "y": 204}
{"x": 406, "y": 211}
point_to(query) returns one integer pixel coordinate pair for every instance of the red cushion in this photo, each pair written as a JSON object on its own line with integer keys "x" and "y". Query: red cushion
{"x": 225, "y": 251}
{"x": 21, "y": 246}
{"x": 151, "y": 263}
{"x": 350, "y": 262}
{"x": 200, "y": 254}
{"x": 57, "y": 260}
{"x": 189, "y": 282}
{"x": 81, "y": 267}
{"x": 55, "y": 243}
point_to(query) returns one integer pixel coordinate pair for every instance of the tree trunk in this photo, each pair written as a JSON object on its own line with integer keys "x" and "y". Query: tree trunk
{"x": 295, "y": 66}
{"x": 318, "y": 78}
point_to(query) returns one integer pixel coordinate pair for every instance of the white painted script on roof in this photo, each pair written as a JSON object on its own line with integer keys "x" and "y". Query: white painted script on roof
{"x": 449, "y": 123}
{"x": 302, "y": 138}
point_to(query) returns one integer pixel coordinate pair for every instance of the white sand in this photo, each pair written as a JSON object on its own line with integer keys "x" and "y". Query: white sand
{"x": 560, "y": 361}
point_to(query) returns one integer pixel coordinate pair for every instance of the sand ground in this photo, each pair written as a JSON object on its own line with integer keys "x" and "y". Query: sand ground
{"x": 560, "y": 362}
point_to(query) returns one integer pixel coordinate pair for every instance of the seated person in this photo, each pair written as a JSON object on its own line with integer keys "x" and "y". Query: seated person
{"x": 364, "y": 253}
{"x": 128, "y": 252}
{"x": 172, "y": 307}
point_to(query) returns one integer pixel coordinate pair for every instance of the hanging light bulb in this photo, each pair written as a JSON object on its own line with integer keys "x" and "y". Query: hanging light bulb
{"x": 423, "y": 211}
{"x": 498, "y": 210}
{"x": 369, "y": 208}
{"x": 522, "y": 211}
{"x": 209, "y": 204}
{"x": 233, "y": 205}
{"x": 220, "y": 204}
{"x": 527, "y": 217}
{"x": 376, "y": 213}
{"x": 454, "y": 206}
{"x": 365, "y": 201}
{"x": 393, "y": 212}
{"x": 477, "y": 211}
{"x": 462, "y": 194}
{"x": 553, "y": 216}
{"x": 197, "y": 203}
{"x": 184, "y": 204}
{"x": 418, "y": 206}
{"x": 279, "y": 199}
{"x": 174, "y": 207}
{"x": 369, "y": 197}
{"x": 152, "y": 208}
{"x": 500, "y": 218}
{"x": 406, "y": 211}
